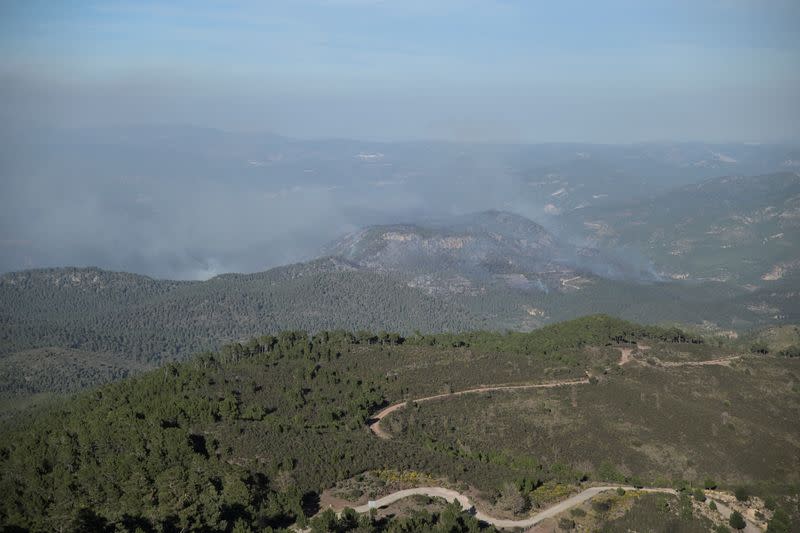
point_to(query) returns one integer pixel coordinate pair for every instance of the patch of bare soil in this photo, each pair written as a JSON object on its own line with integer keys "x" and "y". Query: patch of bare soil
{"x": 625, "y": 355}
{"x": 722, "y": 361}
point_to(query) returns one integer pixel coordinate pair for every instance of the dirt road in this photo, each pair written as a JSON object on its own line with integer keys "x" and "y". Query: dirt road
{"x": 375, "y": 421}
{"x": 451, "y": 495}
{"x": 625, "y": 357}
{"x": 577, "y": 499}
{"x": 726, "y": 512}
{"x": 722, "y": 361}
{"x": 549, "y": 512}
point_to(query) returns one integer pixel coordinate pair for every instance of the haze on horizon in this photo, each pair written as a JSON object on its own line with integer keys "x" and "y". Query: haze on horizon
{"x": 479, "y": 70}
{"x": 80, "y": 186}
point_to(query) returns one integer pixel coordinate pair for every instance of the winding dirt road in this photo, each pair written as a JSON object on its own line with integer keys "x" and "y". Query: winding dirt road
{"x": 451, "y": 495}
{"x": 554, "y": 510}
{"x": 375, "y": 420}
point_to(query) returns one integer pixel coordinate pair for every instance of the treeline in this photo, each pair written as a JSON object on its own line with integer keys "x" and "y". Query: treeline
{"x": 595, "y": 330}
{"x": 150, "y": 322}
{"x": 562, "y": 338}
{"x": 60, "y": 370}
{"x": 158, "y": 321}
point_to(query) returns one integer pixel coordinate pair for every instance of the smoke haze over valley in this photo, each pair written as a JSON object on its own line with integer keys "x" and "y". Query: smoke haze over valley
{"x": 191, "y": 203}
{"x": 213, "y": 139}
{"x": 399, "y": 266}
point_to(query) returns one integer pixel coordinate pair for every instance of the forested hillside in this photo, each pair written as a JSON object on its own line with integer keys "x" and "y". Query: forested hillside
{"x": 154, "y": 321}
{"x": 122, "y": 323}
{"x": 249, "y": 436}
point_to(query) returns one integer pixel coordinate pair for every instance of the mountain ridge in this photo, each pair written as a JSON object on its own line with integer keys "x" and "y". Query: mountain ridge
{"x": 481, "y": 246}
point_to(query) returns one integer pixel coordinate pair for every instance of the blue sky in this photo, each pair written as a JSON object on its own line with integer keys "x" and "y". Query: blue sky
{"x": 531, "y": 71}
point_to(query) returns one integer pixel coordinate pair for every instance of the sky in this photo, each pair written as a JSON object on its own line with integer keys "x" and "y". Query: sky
{"x": 132, "y": 132}
{"x": 475, "y": 70}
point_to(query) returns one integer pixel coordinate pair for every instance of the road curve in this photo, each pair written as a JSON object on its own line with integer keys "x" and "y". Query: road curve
{"x": 554, "y": 510}
{"x": 375, "y": 421}
{"x": 451, "y": 495}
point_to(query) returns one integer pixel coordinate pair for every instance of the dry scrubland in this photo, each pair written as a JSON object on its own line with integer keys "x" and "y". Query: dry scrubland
{"x": 734, "y": 423}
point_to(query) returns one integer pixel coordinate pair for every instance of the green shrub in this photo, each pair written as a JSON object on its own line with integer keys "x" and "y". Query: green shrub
{"x": 760, "y": 347}
{"x": 566, "y": 524}
{"x": 608, "y": 472}
{"x": 791, "y": 351}
{"x": 601, "y": 506}
{"x": 511, "y": 499}
{"x": 736, "y": 520}
{"x": 742, "y": 494}
{"x": 770, "y": 503}
{"x": 685, "y": 505}
{"x": 780, "y": 523}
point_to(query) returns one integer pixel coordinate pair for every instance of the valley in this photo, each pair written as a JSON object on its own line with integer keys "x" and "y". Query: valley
{"x": 277, "y": 400}
{"x": 491, "y": 270}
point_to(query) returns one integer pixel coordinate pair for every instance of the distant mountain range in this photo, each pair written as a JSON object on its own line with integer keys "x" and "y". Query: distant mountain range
{"x": 189, "y": 203}
{"x": 744, "y": 230}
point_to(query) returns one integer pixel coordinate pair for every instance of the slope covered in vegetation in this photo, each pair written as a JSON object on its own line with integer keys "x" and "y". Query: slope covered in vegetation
{"x": 248, "y": 436}
{"x": 124, "y": 323}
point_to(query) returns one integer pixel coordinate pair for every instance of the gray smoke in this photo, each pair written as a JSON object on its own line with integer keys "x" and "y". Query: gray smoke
{"x": 189, "y": 203}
